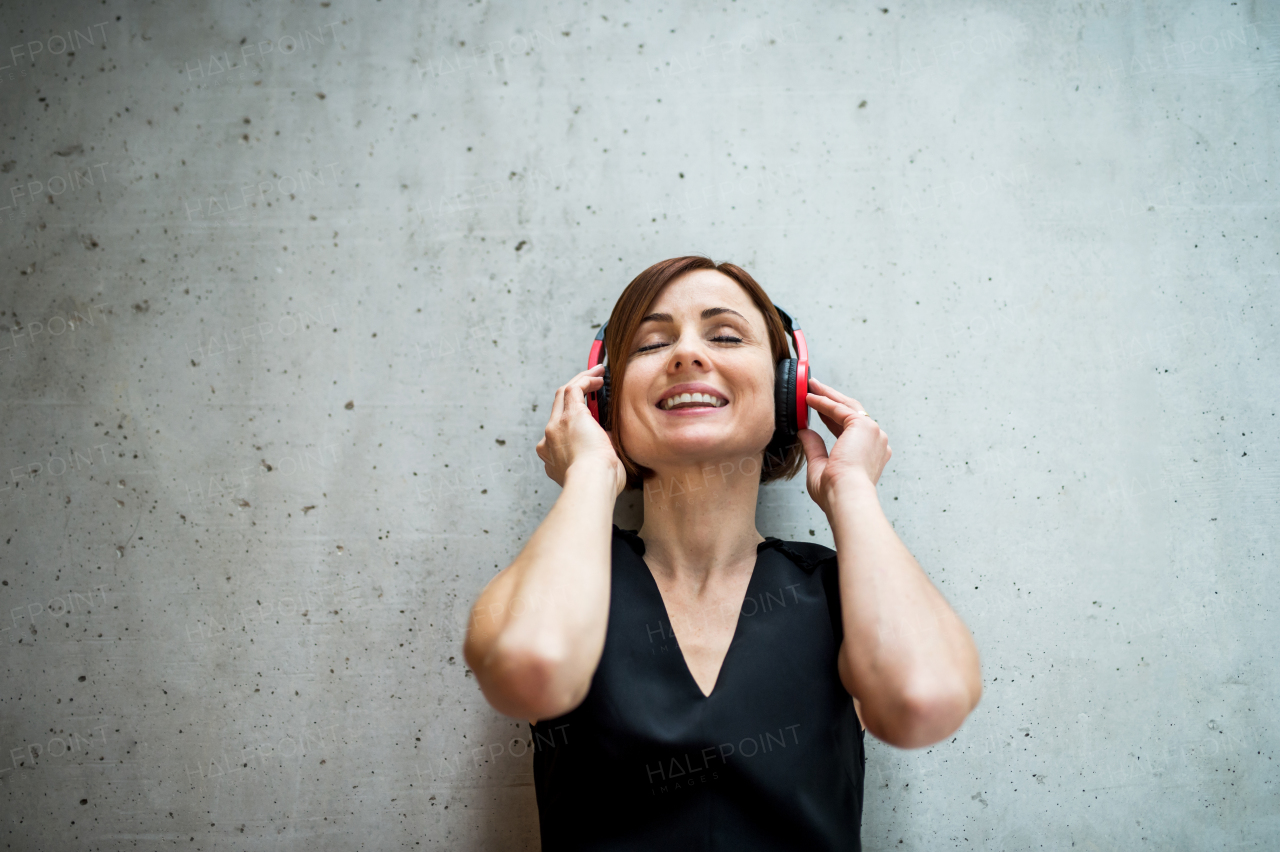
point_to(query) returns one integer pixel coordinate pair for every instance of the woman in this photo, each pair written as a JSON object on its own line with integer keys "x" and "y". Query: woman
{"x": 689, "y": 684}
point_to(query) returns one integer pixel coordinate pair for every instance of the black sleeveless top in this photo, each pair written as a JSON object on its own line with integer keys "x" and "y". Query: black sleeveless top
{"x": 773, "y": 759}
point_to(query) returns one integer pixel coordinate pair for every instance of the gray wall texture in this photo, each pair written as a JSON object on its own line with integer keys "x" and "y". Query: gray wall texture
{"x": 288, "y": 289}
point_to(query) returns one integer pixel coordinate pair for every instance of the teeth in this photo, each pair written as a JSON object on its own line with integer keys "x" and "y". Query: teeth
{"x": 704, "y": 398}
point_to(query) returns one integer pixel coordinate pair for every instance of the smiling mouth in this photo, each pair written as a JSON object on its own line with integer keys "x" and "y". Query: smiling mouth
{"x": 692, "y": 400}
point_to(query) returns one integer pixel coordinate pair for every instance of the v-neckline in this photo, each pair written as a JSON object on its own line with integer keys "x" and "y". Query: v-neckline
{"x": 737, "y": 627}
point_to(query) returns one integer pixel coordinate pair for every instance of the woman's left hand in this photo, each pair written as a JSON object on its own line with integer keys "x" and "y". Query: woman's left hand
{"x": 861, "y": 449}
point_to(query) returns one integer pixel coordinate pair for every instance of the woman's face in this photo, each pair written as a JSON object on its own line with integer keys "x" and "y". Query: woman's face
{"x": 702, "y": 335}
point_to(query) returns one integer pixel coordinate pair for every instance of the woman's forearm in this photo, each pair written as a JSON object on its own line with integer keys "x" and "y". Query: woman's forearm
{"x": 912, "y": 660}
{"x": 537, "y": 631}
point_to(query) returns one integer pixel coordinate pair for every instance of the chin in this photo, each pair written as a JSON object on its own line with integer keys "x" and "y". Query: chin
{"x": 703, "y": 445}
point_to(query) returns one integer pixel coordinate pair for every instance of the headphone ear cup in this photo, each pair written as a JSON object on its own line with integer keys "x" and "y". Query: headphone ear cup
{"x": 602, "y": 400}
{"x": 784, "y": 399}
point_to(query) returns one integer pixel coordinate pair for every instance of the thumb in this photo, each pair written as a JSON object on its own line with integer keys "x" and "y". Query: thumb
{"x": 815, "y": 449}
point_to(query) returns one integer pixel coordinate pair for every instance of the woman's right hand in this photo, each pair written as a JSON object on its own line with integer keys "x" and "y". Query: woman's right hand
{"x": 573, "y": 437}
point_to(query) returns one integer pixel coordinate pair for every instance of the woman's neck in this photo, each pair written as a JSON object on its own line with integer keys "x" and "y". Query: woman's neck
{"x": 701, "y": 519}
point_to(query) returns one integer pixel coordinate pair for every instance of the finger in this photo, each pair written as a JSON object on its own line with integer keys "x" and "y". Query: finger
{"x": 587, "y": 380}
{"x": 836, "y": 428}
{"x": 832, "y": 393}
{"x": 594, "y": 372}
{"x": 588, "y": 383}
{"x": 855, "y": 411}
{"x": 557, "y": 407}
{"x": 815, "y": 449}
{"x": 574, "y": 396}
{"x": 831, "y": 408}
{"x": 827, "y": 390}
{"x": 833, "y": 398}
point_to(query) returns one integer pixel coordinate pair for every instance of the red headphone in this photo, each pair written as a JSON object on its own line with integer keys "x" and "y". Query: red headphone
{"x": 791, "y": 409}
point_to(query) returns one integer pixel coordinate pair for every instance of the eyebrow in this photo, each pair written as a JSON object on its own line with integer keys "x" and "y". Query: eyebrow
{"x": 706, "y": 314}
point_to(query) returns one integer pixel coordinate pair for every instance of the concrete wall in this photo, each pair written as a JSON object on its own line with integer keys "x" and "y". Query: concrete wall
{"x": 288, "y": 288}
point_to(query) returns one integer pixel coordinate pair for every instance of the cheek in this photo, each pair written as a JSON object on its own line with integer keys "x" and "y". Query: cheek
{"x": 632, "y": 405}
{"x": 755, "y": 400}
{"x": 633, "y": 394}
{"x": 761, "y": 408}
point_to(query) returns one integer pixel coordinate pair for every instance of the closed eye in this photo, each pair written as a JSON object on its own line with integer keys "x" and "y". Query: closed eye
{"x": 723, "y": 338}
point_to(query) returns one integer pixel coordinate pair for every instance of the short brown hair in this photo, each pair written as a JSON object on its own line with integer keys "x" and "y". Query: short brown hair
{"x": 783, "y": 456}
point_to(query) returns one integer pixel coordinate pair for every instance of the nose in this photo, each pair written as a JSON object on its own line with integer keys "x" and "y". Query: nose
{"x": 688, "y": 352}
